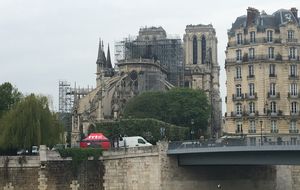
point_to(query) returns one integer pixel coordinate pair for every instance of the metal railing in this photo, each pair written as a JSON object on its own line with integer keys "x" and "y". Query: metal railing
{"x": 238, "y": 142}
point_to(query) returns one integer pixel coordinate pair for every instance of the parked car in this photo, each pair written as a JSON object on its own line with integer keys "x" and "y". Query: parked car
{"x": 58, "y": 146}
{"x": 35, "y": 150}
{"x": 22, "y": 152}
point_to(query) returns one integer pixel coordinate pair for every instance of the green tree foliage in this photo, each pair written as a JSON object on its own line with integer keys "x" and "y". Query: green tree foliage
{"x": 179, "y": 106}
{"x": 29, "y": 122}
{"x": 150, "y": 129}
{"x": 8, "y": 97}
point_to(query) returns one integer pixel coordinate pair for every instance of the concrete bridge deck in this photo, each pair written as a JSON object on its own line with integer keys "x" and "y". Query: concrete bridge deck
{"x": 191, "y": 153}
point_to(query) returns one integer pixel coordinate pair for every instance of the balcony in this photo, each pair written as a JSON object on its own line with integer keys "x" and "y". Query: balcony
{"x": 294, "y": 113}
{"x": 272, "y": 75}
{"x": 236, "y": 114}
{"x": 294, "y": 131}
{"x": 294, "y": 95}
{"x": 292, "y": 40}
{"x": 237, "y": 97}
{"x": 250, "y": 77}
{"x": 293, "y": 58}
{"x": 238, "y": 78}
{"x": 274, "y": 131}
{"x": 251, "y": 96}
{"x": 273, "y": 95}
{"x": 293, "y": 77}
{"x": 274, "y": 113}
{"x": 257, "y": 41}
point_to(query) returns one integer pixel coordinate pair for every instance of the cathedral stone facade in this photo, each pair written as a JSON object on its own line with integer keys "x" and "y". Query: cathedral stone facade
{"x": 262, "y": 69}
{"x": 114, "y": 89}
{"x": 202, "y": 69}
{"x": 152, "y": 62}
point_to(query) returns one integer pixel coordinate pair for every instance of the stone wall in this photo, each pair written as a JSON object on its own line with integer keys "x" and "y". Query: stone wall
{"x": 147, "y": 168}
{"x": 133, "y": 168}
{"x": 29, "y": 173}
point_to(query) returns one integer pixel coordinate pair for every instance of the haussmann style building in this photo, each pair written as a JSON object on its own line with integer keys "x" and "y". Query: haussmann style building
{"x": 262, "y": 69}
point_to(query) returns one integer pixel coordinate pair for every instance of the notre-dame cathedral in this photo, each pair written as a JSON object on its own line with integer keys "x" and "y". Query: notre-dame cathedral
{"x": 151, "y": 62}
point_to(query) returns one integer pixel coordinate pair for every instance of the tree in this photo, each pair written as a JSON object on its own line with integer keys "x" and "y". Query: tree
{"x": 179, "y": 106}
{"x": 8, "y": 97}
{"x": 29, "y": 122}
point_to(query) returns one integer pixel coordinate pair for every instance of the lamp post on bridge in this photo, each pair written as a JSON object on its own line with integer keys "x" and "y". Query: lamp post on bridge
{"x": 261, "y": 138}
{"x": 192, "y": 129}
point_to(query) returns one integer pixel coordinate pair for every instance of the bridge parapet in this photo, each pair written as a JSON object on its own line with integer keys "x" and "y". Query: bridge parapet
{"x": 130, "y": 152}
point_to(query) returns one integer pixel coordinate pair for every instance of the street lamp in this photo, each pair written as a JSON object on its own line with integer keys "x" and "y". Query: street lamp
{"x": 261, "y": 140}
{"x": 192, "y": 129}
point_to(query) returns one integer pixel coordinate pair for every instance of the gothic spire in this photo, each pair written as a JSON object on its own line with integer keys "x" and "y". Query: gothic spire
{"x": 101, "y": 60}
{"x": 108, "y": 61}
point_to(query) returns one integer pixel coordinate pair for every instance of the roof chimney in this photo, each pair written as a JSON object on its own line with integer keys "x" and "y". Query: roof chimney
{"x": 252, "y": 14}
{"x": 295, "y": 13}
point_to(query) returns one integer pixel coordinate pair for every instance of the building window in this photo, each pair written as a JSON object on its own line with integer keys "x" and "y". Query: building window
{"x": 272, "y": 70}
{"x": 292, "y": 53}
{"x": 239, "y": 127}
{"x": 238, "y": 55}
{"x": 251, "y": 107}
{"x": 251, "y": 89}
{"x": 272, "y": 89}
{"x": 273, "y": 107}
{"x": 294, "y": 107}
{"x": 251, "y": 70}
{"x": 239, "y": 38}
{"x": 274, "y": 128}
{"x": 293, "y": 70}
{"x": 271, "y": 53}
{"x": 293, "y": 125}
{"x": 294, "y": 140}
{"x": 239, "y": 109}
{"x": 291, "y": 34}
{"x": 195, "y": 50}
{"x": 252, "y": 141}
{"x": 251, "y": 53}
{"x": 252, "y": 37}
{"x": 203, "y": 49}
{"x": 269, "y": 36}
{"x": 293, "y": 89}
{"x": 238, "y": 90}
{"x": 252, "y": 125}
{"x": 238, "y": 73}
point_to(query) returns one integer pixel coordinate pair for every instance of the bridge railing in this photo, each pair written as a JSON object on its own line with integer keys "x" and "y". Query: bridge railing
{"x": 212, "y": 144}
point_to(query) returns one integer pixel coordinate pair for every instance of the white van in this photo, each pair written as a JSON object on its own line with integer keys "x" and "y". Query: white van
{"x": 135, "y": 141}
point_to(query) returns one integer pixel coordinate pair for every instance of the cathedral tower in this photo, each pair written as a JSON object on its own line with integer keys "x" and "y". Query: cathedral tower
{"x": 202, "y": 70}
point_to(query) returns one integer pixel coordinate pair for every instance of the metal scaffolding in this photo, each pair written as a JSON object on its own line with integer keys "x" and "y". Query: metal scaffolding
{"x": 66, "y": 98}
{"x": 153, "y": 43}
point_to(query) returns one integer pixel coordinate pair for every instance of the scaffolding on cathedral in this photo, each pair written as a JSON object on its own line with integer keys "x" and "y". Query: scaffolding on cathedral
{"x": 153, "y": 43}
{"x": 67, "y": 96}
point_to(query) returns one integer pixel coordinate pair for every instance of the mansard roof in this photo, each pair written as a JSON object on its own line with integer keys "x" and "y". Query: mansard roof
{"x": 264, "y": 21}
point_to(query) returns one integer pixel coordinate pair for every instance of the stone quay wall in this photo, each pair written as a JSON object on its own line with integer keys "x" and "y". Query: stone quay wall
{"x": 147, "y": 168}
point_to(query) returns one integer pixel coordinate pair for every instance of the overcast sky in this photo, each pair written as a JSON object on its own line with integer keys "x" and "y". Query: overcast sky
{"x": 42, "y": 42}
